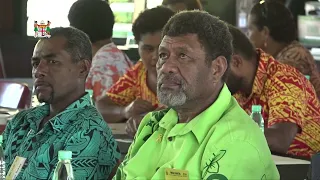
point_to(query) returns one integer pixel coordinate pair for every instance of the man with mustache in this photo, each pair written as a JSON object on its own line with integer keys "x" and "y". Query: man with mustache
{"x": 204, "y": 134}
{"x": 67, "y": 121}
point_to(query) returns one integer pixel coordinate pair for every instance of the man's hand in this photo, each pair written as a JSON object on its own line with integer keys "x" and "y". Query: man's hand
{"x": 137, "y": 107}
{"x": 133, "y": 124}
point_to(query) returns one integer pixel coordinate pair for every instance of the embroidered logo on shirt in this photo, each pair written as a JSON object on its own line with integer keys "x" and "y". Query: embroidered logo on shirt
{"x": 159, "y": 138}
{"x": 212, "y": 166}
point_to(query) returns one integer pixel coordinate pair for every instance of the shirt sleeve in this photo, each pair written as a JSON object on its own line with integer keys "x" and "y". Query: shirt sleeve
{"x": 124, "y": 91}
{"x": 287, "y": 99}
{"x": 240, "y": 160}
{"x": 94, "y": 154}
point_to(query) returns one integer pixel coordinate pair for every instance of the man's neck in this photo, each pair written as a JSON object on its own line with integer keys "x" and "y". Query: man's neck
{"x": 97, "y": 45}
{"x": 274, "y": 48}
{"x": 60, "y": 105}
{"x": 252, "y": 72}
{"x": 190, "y": 111}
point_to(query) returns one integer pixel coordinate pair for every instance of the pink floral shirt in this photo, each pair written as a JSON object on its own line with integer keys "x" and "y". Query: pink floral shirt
{"x": 108, "y": 65}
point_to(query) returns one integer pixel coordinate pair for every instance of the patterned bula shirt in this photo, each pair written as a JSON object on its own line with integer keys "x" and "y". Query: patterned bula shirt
{"x": 79, "y": 128}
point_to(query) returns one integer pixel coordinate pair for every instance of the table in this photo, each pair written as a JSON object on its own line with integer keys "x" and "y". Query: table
{"x": 291, "y": 168}
{"x": 118, "y": 128}
{"x": 119, "y": 133}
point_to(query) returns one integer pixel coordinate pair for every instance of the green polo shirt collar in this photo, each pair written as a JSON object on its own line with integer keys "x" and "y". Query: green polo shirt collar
{"x": 37, "y": 114}
{"x": 201, "y": 124}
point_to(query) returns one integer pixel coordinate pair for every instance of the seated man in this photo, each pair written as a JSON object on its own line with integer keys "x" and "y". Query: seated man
{"x": 67, "y": 121}
{"x": 96, "y": 19}
{"x": 290, "y": 106}
{"x": 180, "y": 5}
{"x": 135, "y": 93}
{"x": 204, "y": 134}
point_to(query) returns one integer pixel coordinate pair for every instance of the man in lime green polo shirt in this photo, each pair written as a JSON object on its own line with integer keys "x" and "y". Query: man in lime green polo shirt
{"x": 204, "y": 134}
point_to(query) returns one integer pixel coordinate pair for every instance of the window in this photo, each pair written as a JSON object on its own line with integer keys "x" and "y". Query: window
{"x": 47, "y": 10}
{"x": 153, "y": 3}
{"x": 123, "y": 11}
{"x": 57, "y": 13}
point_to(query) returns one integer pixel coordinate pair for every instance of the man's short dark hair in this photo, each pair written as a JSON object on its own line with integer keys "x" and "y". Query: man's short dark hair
{"x": 277, "y": 18}
{"x": 151, "y": 21}
{"x": 190, "y": 4}
{"x": 77, "y": 42}
{"x": 241, "y": 43}
{"x": 212, "y": 33}
{"x": 94, "y": 17}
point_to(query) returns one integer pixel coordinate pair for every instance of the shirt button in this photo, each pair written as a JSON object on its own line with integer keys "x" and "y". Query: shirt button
{"x": 170, "y": 138}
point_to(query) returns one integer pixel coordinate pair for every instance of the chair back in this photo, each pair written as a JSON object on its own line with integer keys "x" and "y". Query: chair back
{"x": 14, "y": 95}
{"x": 2, "y": 69}
{"x": 314, "y": 171}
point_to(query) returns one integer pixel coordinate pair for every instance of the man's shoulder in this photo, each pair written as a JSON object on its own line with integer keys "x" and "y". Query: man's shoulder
{"x": 89, "y": 118}
{"x": 236, "y": 134}
{"x": 236, "y": 126}
{"x": 21, "y": 116}
{"x": 279, "y": 73}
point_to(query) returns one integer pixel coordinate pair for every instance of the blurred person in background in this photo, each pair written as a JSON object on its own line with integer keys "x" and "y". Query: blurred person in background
{"x": 180, "y": 5}
{"x": 272, "y": 28}
{"x": 96, "y": 19}
{"x": 136, "y": 92}
{"x": 290, "y": 107}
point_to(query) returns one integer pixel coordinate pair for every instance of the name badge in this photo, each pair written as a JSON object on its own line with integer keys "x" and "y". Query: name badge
{"x": 176, "y": 174}
{"x": 15, "y": 168}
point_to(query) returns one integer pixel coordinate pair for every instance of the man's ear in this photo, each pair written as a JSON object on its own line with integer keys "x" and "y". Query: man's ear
{"x": 219, "y": 67}
{"x": 84, "y": 67}
{"x": 236, "y": 61}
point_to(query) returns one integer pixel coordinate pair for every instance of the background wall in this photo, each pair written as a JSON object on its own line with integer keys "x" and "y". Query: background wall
{"x": 226, "y": 9}
{"x": 16, "y": 48}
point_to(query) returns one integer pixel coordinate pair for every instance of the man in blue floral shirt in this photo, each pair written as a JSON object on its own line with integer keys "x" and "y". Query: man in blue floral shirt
{"x": 68, "y": 120}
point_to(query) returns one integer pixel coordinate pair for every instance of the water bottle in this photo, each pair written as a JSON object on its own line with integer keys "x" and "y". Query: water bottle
{"x": 257, "y": 116}
{"x": 307, "y": 76}
{"x": 63, "y": 170}
{"x": 2, "y": 162}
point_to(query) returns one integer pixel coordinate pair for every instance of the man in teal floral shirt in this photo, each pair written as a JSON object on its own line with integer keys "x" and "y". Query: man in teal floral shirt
{"x": 68, "y": 120}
